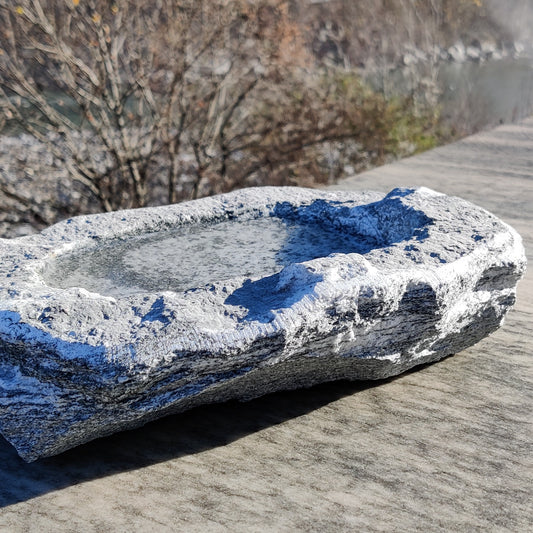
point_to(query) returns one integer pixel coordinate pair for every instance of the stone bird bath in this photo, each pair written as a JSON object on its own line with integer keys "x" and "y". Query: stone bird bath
{"x": 110, "y": 321}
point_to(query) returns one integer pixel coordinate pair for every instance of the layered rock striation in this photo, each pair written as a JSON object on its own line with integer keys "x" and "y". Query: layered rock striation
{"x": 110, "y": 321}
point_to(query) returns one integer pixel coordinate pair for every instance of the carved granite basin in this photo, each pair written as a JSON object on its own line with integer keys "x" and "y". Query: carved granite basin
{"x": 109, "y": 321}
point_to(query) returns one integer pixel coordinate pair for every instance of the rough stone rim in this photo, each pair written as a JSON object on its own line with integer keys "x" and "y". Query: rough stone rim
{"x": 24, "y": 259}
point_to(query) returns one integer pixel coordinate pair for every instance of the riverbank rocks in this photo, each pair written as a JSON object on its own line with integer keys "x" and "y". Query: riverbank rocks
{"x": 110, "y": 321}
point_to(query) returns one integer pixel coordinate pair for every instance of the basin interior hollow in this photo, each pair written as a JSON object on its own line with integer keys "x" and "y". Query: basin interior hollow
{"x": 194, "y": 255}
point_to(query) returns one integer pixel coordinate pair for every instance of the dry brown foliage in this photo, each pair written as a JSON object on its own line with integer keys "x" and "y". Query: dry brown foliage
{"x": 196, "y": 96}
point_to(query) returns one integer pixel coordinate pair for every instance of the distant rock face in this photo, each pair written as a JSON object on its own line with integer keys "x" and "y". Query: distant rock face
{"x": 458, "y": 52}
{"x": 110, "y": 321}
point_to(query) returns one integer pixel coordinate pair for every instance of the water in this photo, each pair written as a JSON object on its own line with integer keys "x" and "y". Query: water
{"x": 195, "y": 255}
{"x": 486, "y": 94}
{"x": 472, "y": 96}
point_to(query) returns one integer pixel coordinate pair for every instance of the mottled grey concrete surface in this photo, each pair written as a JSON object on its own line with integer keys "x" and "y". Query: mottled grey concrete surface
{"x": 444, "y": 448}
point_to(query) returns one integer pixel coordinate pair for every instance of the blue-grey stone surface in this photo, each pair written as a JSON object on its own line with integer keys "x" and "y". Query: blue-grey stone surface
{"x": 110, "y": 321}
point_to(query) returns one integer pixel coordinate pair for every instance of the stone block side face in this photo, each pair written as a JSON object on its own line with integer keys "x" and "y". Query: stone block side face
{"x": 435, "y": 276}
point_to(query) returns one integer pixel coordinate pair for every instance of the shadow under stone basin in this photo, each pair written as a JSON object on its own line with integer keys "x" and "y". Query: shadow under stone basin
{"x": 110, "y": 321}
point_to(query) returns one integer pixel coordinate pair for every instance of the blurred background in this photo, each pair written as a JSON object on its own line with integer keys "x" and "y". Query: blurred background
{"x": 117, "y": 104}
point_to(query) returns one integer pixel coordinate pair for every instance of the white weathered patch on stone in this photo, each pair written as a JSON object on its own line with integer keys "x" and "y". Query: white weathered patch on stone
{"x": 349, "y": 285}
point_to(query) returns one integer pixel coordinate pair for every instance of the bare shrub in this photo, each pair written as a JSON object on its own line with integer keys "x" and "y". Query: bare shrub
{"x": 150, "y": 101}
